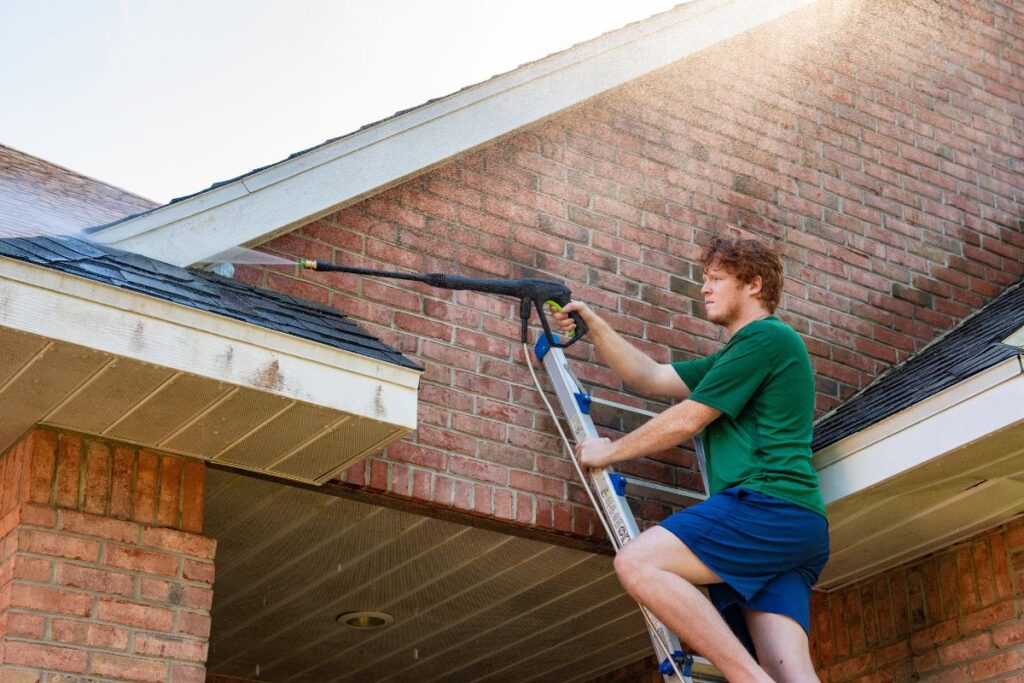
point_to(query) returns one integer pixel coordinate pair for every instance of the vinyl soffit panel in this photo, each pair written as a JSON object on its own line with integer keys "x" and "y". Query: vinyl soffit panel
{"x": 85, "y": 391}
{"x": 963, "y": 490}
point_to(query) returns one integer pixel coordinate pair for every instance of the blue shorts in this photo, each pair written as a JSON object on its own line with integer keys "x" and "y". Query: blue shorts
{"x": 768, "y": 552}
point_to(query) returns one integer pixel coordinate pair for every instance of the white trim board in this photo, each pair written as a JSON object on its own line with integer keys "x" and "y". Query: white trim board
{"x": 93, "y": 315}
{"x": 953, "y": 418}
{"x": 293, "y": 192}
{"x": 1016, "y": 339}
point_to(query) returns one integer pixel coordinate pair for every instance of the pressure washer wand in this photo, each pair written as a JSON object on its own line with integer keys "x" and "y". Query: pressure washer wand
{"x": 531, "y": 292}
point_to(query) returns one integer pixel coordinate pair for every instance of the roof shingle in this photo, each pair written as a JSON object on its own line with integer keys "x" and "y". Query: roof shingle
{"x": 974, "y": 345}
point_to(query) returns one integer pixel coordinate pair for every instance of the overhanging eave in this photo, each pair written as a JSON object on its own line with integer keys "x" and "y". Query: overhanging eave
{"x": 102, "y": 360}
{"x": 266, "y": 202}
{"x": 938, "y": 472}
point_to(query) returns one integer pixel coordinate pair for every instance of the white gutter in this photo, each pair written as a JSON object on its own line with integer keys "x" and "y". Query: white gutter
{"x": 258, "y": 206}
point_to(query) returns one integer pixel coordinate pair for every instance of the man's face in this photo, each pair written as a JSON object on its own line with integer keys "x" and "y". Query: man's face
{"x": 724, "y": 295}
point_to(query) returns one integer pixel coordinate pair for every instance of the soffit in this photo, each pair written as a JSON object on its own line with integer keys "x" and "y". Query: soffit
{"x": 469, "y": 604}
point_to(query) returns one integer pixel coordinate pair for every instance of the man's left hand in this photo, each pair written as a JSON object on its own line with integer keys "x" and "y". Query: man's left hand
{"x": 595, "y": 452}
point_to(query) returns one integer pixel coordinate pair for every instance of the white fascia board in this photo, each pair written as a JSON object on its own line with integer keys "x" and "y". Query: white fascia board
{"x": 51, "y": 304}
{"x": 978, "y": 406}
{"x": 295, "y": 191}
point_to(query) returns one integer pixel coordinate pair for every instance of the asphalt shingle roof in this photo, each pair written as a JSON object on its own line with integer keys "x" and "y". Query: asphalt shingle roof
{"x": 972, "y": 346}
{"x": 202, "y": 290}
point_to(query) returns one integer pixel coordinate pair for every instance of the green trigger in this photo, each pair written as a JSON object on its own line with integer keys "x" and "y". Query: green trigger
{"x": 558, "y": 307}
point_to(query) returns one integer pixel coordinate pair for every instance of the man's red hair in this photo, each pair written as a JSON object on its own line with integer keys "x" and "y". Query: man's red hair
{"x": 746, "y": 259}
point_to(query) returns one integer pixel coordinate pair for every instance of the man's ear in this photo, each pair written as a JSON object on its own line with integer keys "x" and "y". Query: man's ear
{"x": 756, "y": 284}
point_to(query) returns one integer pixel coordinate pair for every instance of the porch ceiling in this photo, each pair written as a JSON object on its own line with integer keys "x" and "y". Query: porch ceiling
{"x": 469, "y": 604}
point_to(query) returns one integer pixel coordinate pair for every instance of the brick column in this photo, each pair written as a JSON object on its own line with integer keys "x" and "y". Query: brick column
{"x": 954, "y": 615}
{"x": 104, "y": 572}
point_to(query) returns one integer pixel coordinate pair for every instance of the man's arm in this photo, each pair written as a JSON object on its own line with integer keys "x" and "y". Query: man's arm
{"x": 679, "y": 423}
{"x": 638, "y": 370}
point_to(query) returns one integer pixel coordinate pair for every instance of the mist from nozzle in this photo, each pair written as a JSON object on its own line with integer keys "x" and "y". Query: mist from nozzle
{"x": 27, "y": 220}
{"x": 23, "y": 219}
{"x": 235, "y": 255}
{"x": 30, "y": 208}
{"x": 244, "y": 256}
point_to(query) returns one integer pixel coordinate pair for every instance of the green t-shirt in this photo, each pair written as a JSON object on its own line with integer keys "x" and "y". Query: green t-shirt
{"x": 761, "y": 380}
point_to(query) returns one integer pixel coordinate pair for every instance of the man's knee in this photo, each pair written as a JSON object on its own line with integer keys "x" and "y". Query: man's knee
{"x": 659, "y": 550}
{"x": 631, "y": 563}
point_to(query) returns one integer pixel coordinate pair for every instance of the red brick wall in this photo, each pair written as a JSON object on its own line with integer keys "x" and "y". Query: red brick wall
{"x": 103, "y": 570}
{"x": 952, "y": 616}
{"x": 877, "y": 142}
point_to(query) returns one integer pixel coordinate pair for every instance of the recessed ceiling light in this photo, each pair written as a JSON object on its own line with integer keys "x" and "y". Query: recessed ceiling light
{"x": 365, "y": 620}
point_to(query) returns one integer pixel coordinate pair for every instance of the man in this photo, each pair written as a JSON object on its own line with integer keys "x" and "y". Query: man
{"x": 761, "y": 539}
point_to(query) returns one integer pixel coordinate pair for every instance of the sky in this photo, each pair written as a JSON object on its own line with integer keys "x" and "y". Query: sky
{"x": 165, "y": 97}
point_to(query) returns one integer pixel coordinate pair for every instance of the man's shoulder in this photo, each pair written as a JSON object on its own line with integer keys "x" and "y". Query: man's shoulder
{"x": 772, "y": 331}
{"x": 770, "y": 327}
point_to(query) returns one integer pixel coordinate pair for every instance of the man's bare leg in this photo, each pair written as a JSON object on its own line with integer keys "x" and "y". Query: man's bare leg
{"x": 661, "y": 572}
{"x": 782, "y": 647}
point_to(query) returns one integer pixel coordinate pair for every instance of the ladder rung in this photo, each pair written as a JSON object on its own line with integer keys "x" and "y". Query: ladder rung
{"x": 704, "y": 670}
{"x": 621, "y": 407}
{"x": 642, "y": 488}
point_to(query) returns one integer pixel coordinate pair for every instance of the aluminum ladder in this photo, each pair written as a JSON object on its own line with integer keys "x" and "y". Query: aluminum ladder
{"x": 610, "y": 490}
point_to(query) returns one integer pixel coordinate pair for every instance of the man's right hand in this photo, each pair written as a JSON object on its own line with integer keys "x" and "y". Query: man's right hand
{"x": 564, "y": 323}
{"x": 641, "y": 372}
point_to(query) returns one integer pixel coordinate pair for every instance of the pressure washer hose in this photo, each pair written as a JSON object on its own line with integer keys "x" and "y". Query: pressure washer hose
{"x": 660, "y": 639}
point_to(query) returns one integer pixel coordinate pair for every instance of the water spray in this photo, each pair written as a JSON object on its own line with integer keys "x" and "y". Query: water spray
{"x": 532, "y": 292}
